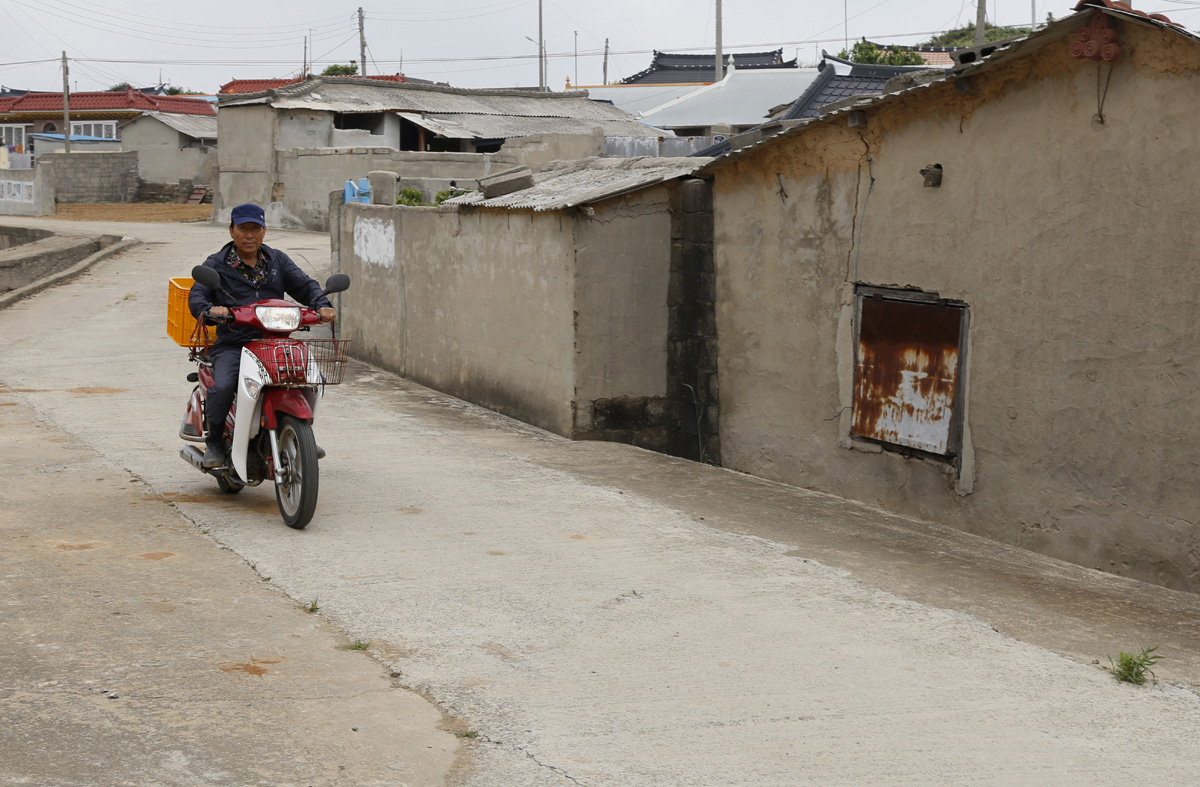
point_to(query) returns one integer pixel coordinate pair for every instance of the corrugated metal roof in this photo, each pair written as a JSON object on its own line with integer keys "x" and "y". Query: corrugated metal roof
{"x": 636, "y": 99}
{"x": 356, "y": 95}
{"x": 743, "y": 98}
{"x": 589, "y": 180}
{"x": 195, "y": 126}
{"x": 508, "y": 126}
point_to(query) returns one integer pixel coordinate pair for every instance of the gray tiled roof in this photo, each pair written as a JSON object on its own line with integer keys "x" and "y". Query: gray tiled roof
{"x": 670, "y": 68}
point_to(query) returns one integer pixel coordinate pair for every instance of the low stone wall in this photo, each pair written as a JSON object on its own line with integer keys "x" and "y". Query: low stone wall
{"x": 24, "y": 192}
{"x": 92, "y": 177}
{"x": 164, "y": 192}
{"x": 26, "y": 263}
{"x": 18, "y": 236}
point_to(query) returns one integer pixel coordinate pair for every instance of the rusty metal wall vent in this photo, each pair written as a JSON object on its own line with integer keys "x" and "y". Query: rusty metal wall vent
{"x": 933, "y": 175}
{"x": 908, "y": 369}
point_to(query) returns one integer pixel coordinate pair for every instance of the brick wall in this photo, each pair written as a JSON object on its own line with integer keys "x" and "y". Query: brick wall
{"x": 92, "y": 177}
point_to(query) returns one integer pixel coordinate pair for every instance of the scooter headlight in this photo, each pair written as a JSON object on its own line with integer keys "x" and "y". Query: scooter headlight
{"x": 278, "y": 318}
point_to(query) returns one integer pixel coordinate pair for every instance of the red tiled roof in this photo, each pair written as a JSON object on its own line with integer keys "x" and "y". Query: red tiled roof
{"x": 254, "y": 85}
{"x": 116, "y": 100}
{"x": 936, "y": 58}
{"x": 260, "y": 85}
{"x": 1119, "y": 6}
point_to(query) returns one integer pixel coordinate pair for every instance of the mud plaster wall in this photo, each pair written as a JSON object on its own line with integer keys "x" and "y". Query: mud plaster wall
{"x": 1072, "y": 244}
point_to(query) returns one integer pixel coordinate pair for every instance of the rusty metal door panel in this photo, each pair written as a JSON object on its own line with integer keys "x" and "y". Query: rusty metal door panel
{"x": 907, "y": 373}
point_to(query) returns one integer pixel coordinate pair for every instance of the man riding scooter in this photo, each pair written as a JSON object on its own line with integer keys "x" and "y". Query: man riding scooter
{"x": 250, "y": 271}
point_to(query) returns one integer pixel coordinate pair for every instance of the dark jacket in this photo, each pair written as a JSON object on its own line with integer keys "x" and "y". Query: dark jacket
{"x": 285, "y": 277}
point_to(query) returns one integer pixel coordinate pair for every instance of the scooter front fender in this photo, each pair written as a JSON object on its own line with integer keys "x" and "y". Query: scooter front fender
{"x": 245, "y": 425}
{"x": 285, "y": 401}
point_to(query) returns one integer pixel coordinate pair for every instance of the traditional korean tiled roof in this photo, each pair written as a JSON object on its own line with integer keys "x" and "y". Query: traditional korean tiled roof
{"x": 260, "y": 85}
{"x": 669, "y": 68}
{"x": 113, "y": 101}
{"x": 830, "y": 86}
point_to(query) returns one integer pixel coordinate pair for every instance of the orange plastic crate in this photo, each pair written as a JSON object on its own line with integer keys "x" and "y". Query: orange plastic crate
{"x": 181, "y": 325}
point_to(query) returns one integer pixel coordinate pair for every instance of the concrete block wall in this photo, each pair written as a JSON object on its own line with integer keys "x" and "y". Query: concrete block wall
{"x": 692, "y": 338}
{"x": 92, "y": 177}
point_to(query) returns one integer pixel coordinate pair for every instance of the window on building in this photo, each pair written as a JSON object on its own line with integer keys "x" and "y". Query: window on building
{"x": 911, "y": 348}
{"x": 13, "y": 137}
{"x": 49, "y": 128}
{"x": 106, "y": 129}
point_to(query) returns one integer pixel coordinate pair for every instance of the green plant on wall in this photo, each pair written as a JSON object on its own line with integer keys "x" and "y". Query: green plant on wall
{"x": 412, "y": 197}
{"x": 449, "y": 193}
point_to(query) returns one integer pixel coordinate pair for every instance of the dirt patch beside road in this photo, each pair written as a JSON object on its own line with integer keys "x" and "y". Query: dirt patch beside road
{"x": 132, "y": 211}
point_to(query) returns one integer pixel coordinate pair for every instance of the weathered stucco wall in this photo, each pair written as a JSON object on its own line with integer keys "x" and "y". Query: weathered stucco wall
{"x": 535, "y": 315}
{"x": 245, "y": 158}
{"x": 1070, "y": 242}
{"x": 26, "y": 192}
{"x": 477, "y": 305}
{"x": 622, "y": 275}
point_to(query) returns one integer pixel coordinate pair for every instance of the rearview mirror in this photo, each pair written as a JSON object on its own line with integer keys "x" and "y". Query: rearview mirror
{"x": 207, "y": 276}
{"x": 338, "y": 282}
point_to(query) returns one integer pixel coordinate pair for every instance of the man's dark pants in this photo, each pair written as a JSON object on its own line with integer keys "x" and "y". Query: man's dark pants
{"x": 226, "y": 360}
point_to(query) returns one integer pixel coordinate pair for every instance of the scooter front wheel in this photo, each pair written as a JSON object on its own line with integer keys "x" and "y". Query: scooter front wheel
{"x": 297, "y": 493}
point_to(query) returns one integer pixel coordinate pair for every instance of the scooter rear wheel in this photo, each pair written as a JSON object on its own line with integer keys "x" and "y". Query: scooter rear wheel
{"x": 297, "y": 494}
{"x": 227, "y": 484}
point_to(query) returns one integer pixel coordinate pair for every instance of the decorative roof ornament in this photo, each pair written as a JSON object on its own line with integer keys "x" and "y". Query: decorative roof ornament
{"x": 1097, "y": 40}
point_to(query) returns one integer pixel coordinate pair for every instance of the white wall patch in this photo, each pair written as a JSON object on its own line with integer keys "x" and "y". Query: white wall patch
{"x": 375, "y": 241}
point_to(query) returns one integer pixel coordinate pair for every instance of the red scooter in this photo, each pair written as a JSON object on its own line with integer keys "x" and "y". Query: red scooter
{"x": 268, "y": 434}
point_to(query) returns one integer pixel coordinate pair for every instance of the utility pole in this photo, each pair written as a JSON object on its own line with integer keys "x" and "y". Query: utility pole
{"x": 66, "y": 106}
{"x": 606, "y": 61}
{"x": 577, "y": 55}
{"x": 980, "y": 22}
{"x": 720, "y": 74}
{"x": 541, "y": 53}
{"x": 1033, "y": 24}
{"x": 363, "y": 46}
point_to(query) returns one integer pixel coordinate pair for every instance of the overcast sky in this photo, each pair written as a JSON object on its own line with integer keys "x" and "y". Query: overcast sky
{"x": 469, "y": 43}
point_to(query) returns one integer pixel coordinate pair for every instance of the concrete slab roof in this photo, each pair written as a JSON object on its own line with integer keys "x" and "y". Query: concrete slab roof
{"x": 574, "y": 183}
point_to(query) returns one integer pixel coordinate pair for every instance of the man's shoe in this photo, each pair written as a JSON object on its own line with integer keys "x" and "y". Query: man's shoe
{"x": 214, "y": 456}
{"x": 320, "y": 452}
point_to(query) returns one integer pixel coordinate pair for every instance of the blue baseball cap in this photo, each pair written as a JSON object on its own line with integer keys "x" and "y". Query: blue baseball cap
{"x": 248, "y": 213}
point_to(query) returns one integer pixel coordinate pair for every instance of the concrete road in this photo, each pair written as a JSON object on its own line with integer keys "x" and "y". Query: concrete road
{"x": 595, "y": 614}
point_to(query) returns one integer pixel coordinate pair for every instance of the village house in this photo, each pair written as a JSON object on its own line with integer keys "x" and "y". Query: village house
{"x": 173, "y": 147}
{"x": 101, "y": 114}
{"x": 290, "y": 147}
{"x": 973, "y": 301}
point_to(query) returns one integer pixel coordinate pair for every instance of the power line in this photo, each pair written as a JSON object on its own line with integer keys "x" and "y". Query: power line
{"x": 192, "y": 41}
